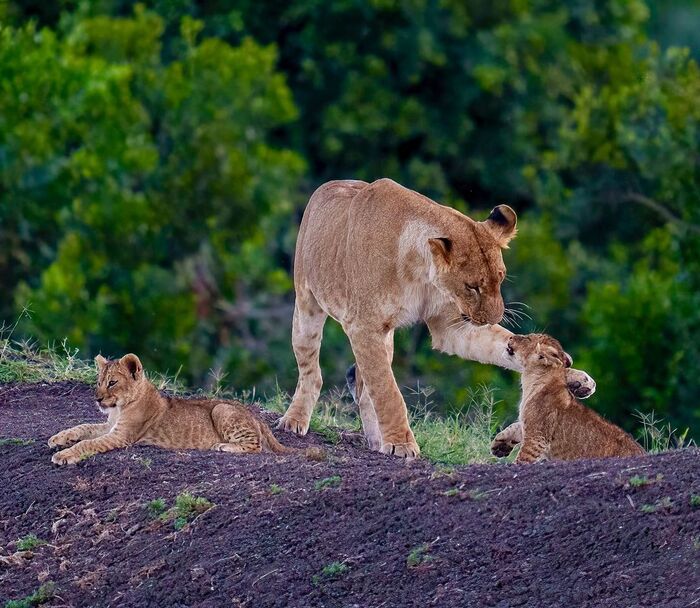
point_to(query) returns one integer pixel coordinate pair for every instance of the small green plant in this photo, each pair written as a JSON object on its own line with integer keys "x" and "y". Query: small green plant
{"x": 664, "y": 503}
{"x": 327, "y": 433}
{"x": 658, "y": 437}
{"x": 638, "y": 481}
{"x": 275, "y": 489}
{"x": 42, "y": 595}
{"x": 328, "y": 482}
{"x": 695, "y": 500}
{"x": 157, "y": 507}
{"x": 16, "y": 441}
{"x": 419, "y": 555}
{"x": 187, "y": 507}
{"x": 29, "y": 542}
{"x": 451, "y": 492}
{"x": 330, "y": 571}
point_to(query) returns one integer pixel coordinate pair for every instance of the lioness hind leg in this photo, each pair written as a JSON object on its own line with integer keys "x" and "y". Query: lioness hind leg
{"x": 238, "y": 430}
{"x": 307, "y": 331}
{"x": 507, "y": 439}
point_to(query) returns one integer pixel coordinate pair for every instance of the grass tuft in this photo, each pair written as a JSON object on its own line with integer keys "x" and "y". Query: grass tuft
{"x": 330, "y": 571}
{"x": 419, "y": 556}
{"x": 657, "y": 437}
{"x": 42, "y": 595}
{"x": 695, "y": 500}
{"x": 29, "y": 542}
{"x": 275, "y": 489}
{"x": 187, "y": 507}
{"x": 664, "y": 503}
{"x": 157, "y": 507}
{"x": 16, "y": 441}
{"x": 328, "y": 482}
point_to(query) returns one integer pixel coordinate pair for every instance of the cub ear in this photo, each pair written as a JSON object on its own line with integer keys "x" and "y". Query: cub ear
{"x": 101, "y": 362}
{"x": 133, "y": 365}
{"x": 441, "y": 248}
{"x": 502, "y": 222}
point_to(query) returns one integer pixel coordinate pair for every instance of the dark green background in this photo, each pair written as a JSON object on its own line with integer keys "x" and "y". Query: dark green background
{"x": 155, "y": 160}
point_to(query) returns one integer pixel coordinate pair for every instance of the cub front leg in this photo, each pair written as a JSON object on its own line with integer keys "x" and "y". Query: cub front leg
{"x": 507, "y": 439}
{"x": 78, "y": 433}
{"x": 534, "y": 449}
{"x": 372, "y": 358}
{"x": 89, "y": 447}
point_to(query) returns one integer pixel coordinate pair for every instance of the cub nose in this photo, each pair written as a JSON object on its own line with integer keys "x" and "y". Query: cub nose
{"x": 99, "y": 399}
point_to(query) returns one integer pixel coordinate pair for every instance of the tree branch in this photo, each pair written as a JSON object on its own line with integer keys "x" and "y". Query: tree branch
{"x": 659, "y": 209}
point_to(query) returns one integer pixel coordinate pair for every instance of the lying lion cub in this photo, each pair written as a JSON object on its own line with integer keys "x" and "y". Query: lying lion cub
{"x": 552, "y": 424}
{"x": 138, "y": 413}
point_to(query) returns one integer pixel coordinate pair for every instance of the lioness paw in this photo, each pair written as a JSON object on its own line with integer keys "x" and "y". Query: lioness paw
{"x": 501, "y": 448}
{"x": 402, "y": 450}
{"x": 293, "y": 424}
{"x": 65, "y": 457}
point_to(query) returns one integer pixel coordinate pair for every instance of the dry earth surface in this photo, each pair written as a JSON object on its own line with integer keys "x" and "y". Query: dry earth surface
{"x": 357, "y": 529}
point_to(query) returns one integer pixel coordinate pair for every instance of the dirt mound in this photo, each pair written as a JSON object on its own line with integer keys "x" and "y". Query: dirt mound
{"x": 359, "y": 529}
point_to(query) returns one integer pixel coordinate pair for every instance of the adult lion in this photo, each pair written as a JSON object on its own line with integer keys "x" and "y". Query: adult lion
{"x": 379, "y": 256}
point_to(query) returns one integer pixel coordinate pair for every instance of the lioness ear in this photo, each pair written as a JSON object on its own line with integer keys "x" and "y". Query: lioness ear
{"x": 441, "y": 248}
{"x": 502, "y": 222}
{"x": 132, "y": 363}
{"x": 101, "y": 362}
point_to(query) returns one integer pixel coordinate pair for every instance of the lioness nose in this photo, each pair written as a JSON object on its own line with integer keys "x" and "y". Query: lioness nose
{"x": 99, "y": 399}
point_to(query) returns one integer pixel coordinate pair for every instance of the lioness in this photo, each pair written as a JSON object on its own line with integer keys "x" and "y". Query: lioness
{"x": 552, "y": 424}
{"x": 379, "y": 256}
{"x": 138, "y": 413}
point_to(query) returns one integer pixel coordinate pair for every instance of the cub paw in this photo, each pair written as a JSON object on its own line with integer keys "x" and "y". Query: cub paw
{"x": 61, "y": 439}
{"x": 65, "y": 457}
{"x": 401, "y": 450}
{"x": 501, "y": 448}
{"x": 293, "y": 424}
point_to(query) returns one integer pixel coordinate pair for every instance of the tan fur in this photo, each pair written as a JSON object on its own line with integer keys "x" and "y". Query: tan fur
{"x": 139, "y": 414}
{"x": 379, "y": 256}
{"x": 552, "y": 424}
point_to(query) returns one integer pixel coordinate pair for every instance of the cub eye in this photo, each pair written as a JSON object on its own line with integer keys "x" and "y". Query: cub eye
{"x": 472, "y": 287}
{"x": 111, "y": 383}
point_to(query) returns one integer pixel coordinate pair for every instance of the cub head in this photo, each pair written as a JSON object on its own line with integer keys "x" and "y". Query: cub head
{"x": 118, "y": 382}
{"x": 537, "y": 350}
{"x": 469, "y": 267}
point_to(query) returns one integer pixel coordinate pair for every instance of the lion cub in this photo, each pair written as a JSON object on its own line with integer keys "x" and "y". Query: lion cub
{"x": 138, "y": 413}
{"x": 552, "y": 424}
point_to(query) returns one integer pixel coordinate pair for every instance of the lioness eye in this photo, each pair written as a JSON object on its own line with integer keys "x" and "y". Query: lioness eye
{"x": 112, "y": 383}
{"x": 472, "y": 287}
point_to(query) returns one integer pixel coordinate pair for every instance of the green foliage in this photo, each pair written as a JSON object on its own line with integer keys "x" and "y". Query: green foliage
{"x": 419, "y": 556}
{"x": 186, "y": 508}
{"x": 328, "y": 482}
{"x": 157, "y": 507}
{"x": 29, "y": 542}
{"x": 154, "y": 160}
{"x": 16, "y": 441}
{"x": 42, "y": 595}
{"x": 695, "y": 500}
{"x": 330, "y": 571}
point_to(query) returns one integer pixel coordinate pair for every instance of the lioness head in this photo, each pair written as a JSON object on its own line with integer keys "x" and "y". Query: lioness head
{"x": 537, "y": 350}
{"x": 470, "y": 267}
{"x": 118, "y": 382}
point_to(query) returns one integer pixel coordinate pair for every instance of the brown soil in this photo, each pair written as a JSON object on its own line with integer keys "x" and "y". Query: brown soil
{"x": 560, "y": 534}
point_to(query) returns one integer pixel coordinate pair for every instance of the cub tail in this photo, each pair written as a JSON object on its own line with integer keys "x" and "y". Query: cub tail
{"x": 270, "y": 443}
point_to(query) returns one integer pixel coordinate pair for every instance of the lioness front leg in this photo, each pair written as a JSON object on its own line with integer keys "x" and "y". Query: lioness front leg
{"x": 370, "y": 350}
{"x": 507, "y": 439}
{"x": 88, "y": 447}
{"x": 307, "y": 331}
{"x": 487, "y": 344}
{"x": 78, "y": 433}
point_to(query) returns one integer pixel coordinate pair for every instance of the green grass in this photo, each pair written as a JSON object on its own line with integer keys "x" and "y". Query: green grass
{"x": 29, "y": 542}
{"x": 639, "y": 481}
{"x": 657, "y": 437}
{"x": 419, "y": 555}
{"x": 42, "y": 595}
{"x": 664, "y": 503}
{"x": 328, "y": 482}
{"x": 157, "y": 507}
{"x": 275, "y": 489}
{"x": 330, "y": 571}
{"x": 186, "y": 508}
{"x": 16, "y": 441}
{"x": 695, "y": 500}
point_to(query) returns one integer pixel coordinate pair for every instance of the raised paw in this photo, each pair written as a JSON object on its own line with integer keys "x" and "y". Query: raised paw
{"x": 66, "y": 457}
{"x": 402, "y": 450}
{"x": 62, "y": 439}
{"x": 502, "y": 447}
{"x": 293, "y": 424}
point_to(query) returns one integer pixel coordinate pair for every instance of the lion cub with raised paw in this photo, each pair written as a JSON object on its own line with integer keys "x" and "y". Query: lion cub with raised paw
{"x": 552, "y": 424}
{"x": 138, "y": 413}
